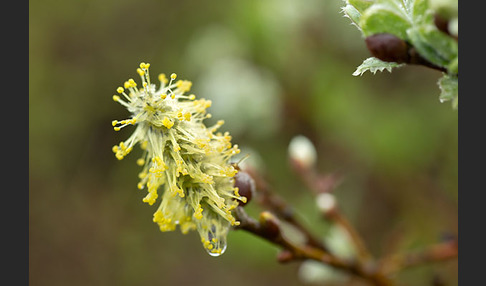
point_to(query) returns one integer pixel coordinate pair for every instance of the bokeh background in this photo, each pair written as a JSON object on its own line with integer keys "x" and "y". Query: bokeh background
{"x": 273, "y": 69}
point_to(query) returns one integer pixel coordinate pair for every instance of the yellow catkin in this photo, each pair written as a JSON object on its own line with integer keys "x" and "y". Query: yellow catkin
{"x": 186, "y": 167}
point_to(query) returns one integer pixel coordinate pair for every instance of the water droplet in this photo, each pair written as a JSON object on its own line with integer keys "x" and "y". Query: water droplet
{"x": 215, "y": 252}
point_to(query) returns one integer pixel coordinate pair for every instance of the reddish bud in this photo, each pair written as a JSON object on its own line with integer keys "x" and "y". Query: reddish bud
{"x": 246, "y": 186}
{"x": 270, "y": 225}
{"x": 388, "y": 48}
{"x": 285, "y": 256}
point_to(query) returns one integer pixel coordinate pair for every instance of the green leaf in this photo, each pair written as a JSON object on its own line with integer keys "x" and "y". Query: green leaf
{"x": 434, "y": 45}
{"x": 453, "y": 66}
{"x": 373, "y": 65}
{"x": 419, "y": 10}
{"x": 448, "y": 85}
{"x": 384, "y": 18}
{"x": 352, "y": 13}
{"x": 360, "y": 5}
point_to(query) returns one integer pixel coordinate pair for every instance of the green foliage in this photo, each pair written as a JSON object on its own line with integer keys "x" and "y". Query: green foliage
{"x": 413, "y": 22}
{"x": 373, "y": 65}
{"x": 384, "y": 18}
{"x": 437, "y": 47}
{"x": 448, "y": 86}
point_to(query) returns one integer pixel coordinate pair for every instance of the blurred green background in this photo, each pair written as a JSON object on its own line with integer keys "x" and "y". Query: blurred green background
{"x": 273, "y": 69}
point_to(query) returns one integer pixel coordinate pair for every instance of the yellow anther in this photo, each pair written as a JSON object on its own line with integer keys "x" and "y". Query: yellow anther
{"x": 140, "y": 162}
{"x": 145, "y": 84}
{"x": 140, "y": 72}
{"x": 114, "y": 122}
{"x": 116, "y": 97}
{"x": 142, "y": 65}
{"x": 158, "y": 216}
{"x": 198, "y": 215}
{"x": 132, "y": 82}
{"x": 163, "y": 96}
{"x": 167, "y": 122}
{"x": 144, "y": 145}
{"x": 120, "y": 89}
{"x": 140, "y": 186}
{"x": 117, "y": 128}
{"x": 173, "y": 76}
{"x": 172, "y": 96}
{"x": 192, "y": 97}
{"x": 163, "y": 79}
{"x": 151, "y": 198}
{"x": 126, "y": 84}
{"x": 184, "y": 85}
{"x": 187, "y": 116}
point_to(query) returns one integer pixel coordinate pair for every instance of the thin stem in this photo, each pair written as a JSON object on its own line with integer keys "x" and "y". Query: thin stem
{"x": 362, "y": 251}
{"x": 309, "y": 252}
{"x": 319, "y": 184}
{"x": 277, "y": 205}
{"x": 435, "y": 253}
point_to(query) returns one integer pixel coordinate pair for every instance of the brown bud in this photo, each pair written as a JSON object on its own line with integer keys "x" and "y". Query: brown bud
{"x": 441, "y": 24}
{"x": 270, "y": 225}
{"x": 285, "y": 256}
{"x": 246, "y": 186}
{"x": 388, "y": 48}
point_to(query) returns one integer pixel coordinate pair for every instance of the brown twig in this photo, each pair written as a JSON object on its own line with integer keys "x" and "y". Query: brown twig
{"x": 268, "y": 229}
{"x": 320, "y": 184}
{"x": 362, "y": 250}
{"x": 435, "y": 253}
{"x": 283, "y": 210}
{"x": 364, "y": 267}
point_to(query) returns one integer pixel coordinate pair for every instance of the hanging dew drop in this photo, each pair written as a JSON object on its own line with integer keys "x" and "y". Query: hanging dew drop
{"x": 215, "y": 252}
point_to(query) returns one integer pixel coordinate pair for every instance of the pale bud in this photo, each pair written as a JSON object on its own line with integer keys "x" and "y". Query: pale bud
{"x": 326, "y": 202}
{"x": 302, "y": 151}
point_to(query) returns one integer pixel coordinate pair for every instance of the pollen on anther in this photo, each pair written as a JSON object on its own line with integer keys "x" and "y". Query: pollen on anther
{"x": 173, "y": 76}
{"x": 163, "y": 79}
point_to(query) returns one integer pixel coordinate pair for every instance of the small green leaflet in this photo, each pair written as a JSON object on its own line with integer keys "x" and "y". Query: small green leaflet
{"x": 373, "y": 65}
{"x": 448, "y": 85}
